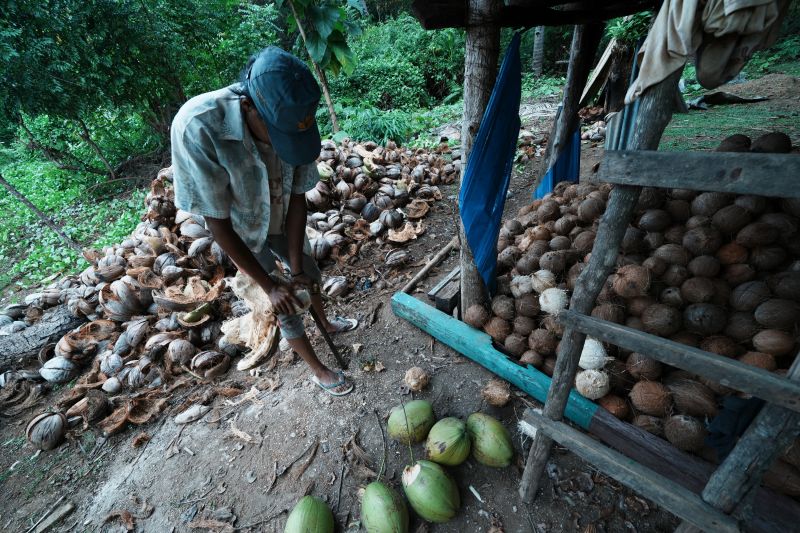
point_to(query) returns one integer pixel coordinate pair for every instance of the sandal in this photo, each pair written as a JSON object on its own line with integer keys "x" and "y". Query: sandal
{"x": 329, "y": 388}
{"x": 343, "y": 325}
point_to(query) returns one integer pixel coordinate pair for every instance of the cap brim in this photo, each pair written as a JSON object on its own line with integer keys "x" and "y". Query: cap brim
{"x": 296, "y": 148}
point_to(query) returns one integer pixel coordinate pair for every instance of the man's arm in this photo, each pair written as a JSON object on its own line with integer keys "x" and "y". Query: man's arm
{"x": 295, "y": 230}
{"x": 281, "y": 297}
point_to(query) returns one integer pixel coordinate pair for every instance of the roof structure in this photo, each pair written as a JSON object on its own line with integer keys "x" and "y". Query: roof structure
{"x": 436, "y": 14}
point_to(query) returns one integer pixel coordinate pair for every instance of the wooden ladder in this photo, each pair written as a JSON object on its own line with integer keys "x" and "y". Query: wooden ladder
{"x": 721, "y": 505}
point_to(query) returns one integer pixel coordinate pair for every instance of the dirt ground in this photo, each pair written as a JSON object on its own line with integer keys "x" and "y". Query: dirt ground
{"x": 253, "y": 456}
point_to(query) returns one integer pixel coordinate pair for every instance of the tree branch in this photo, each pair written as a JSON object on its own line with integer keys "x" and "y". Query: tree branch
{"x": 87, "y": 137}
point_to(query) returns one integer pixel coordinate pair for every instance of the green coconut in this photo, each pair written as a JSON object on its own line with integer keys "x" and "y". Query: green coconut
{"x": 311, "y": 514}
{"x": 410, "y": 423}
{"x": 431, "y": 492}
{"x": 491, "y": 442}
{"x": 448, "y": 442}
{"x": 383, "y": 510}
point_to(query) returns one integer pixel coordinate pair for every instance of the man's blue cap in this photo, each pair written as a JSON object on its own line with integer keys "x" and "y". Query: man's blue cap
{"x": 286, "y": 96}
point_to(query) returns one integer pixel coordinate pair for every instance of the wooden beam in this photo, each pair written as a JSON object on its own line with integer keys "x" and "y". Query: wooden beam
{"x": 662, "y": 491}
{"x": 598, "y": 76}
{"x": 733, "y": 172}
{"x": 728, "y": 372}
{"x": 773, "y": 512}
{"x": 444, "y": 281}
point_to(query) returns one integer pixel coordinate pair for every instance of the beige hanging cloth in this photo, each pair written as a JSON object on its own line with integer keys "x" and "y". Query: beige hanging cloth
{"x": 723, "y": 34}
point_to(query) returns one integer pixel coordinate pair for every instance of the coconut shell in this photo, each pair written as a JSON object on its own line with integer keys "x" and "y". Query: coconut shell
{"x": 573, "y": 273}
{"x": 730, "y": 219}
{"x": 610, "y": 312}
{"x": 675, "y": 275}
{"x": 662, "y": 320}
{"x": 516, "y": 344}
{"x": 553, "y": 261}
{"x": 651, "y": 424}
{"x": 738, "y": 274}
{"x": 498, "y": 329}
{"x": 673, "y": 254}
{"x": 565, "y": 224}
{"x": 704, "y": 319}
{"x": 671, "y": 296}
{"x": 641, "y": 367}
{"x": 698, "y": 221}
{"x": 476, "y": 316}
{"x": 527, "y": 264}
{"x": 503, "y": 306}
{"x": 654, "y": 240}
{"x": 734, "y": 143}
{"x": 656, "y": 266}
{"x": 633, "y": 240}
{"x": 732, "y": 253}
{"x": 774, "y": 341}
{"x": 543, "y": 342}
{"x": 721, "y": 345}
{"x": 631, "y": 281}
{"x": 654, "y": 220}
{"x": 530, "y": 357}
{"x": 527, "y": 305}
{"x": 650, "y": 198}
{"x": 549, "y": 210}
{"x": 742, "y": 326}
{"x": 778, "y": 314}
{"x": 615, "y": 405}
{"x": 754, "y": 205}
{"x": 759, "y": 360}
{"x": 551, "y": 324}
{"x": 496, "y": 392}
{"x": 708, "y": 203}
{"x": 704, "y": 240}
{"x": 704, "y": 266}
{"x": 651, "y": 397}
{"x": 508, "y": 258}
{"x": 584, "y": 241}
{"x": 766, "y": 258}
{"x": 523, "y": 325}
{"x": 689, "y": 339}
{"x": 549, "y": 366}
{"x": 757, "y": 234}
{"x": 675, "y": 234}
{"x": 697, "y": 290}
{"x": 693, "y": 398}
{"x": 786, "y": 285}
{"x": 590, "y": 210}
{"x": 685, "y": 432}
{"x": 636, "y": 306}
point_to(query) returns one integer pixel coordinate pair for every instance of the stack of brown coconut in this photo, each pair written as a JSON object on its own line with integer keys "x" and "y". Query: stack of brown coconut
{"x": 716, "y": 271}
{"x": 155, "y": 303}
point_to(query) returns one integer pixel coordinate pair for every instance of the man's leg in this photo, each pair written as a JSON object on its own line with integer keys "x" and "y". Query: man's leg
{"x": 293, "y": 331}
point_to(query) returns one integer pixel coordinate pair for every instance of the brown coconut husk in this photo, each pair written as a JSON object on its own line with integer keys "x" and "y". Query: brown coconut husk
{"x": 636, "y": 306}
{"x": 498, "y": 329}
{"x": 631, "y": 281}
{"x": 765, "y": 258}
{"x": 697, "y": 290}
{"x": 704, "y": 240}
{"x": 584, "y": 241}
{"x": 662, "y": 320}
{"x": 757, "y": 234}
{"x": 738, "y": 273}
{"x": 527, "y": 305}
{"x": 704, "y": 319}
{"x": 777, "y": 313}
{"x": 549, "y": 366}
{"x": 516, "y": 344}
{"x": 732, "y": 253}
{"x": 642, "y": 367}
{"x": 759, "y": 360}
{"x": 730, "y": 219}
{"x": 651, "y": 424}
{"x": 476, "y": 316}
{"x": 708, "y": 203}
{"x": 721, "y": 345}
{"x": 774, "y": 342}
{"x": 610, "y": 312}
{"x": 523, "y": 325}
{"x": 543, "y": 342}
{"x": 704, "y": 266}
{"x": 496, "y": 392}
{"x": 675, "y": 275}
{"x": 615, "y": 405}
{"x": 685, "y": 432}
{"x": 656, "y": 266}
{"x": 503, "y": 306}
{"x": 532, "y": 358}
{"x": 654, "y": 220}
{"x": 651, "y": 397}
{"x": 674, "y": 254}
{"x": 693, "y": 398}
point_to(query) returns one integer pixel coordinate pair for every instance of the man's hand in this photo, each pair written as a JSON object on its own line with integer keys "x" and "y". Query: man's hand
{"x": 302, "y": 281}
{"x": 283, "y": 299}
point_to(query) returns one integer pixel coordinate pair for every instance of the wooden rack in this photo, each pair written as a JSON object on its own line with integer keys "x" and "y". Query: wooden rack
{"x": 723, "y": 503}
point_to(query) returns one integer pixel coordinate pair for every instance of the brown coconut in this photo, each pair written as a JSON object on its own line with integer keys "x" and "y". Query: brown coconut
{"x": 416, "y": 378}
{"x": 732, "y": 253}
{"x": 698, "y": 221}
{"x": 551, "y": 324}
{"x": 654, "y": 240}
{"x": 651, "y": 424}
{"x": 759, "y": 360}
{"x": 527, "y": 305}
{"x": 774, "y": 341}
{"x": 503, "y": 306}
{"x": 654, "y": 220}
{"x": 704, "y": 240}
{"x": 775, "y": 142}
{"x": 675, "y": 234}
{"x": 651, "y": 398}
{"x": 656, "y": 266}
{"x": 742, "y": 326}
{"x": 631, "y": 281}
{"x": 684, "y": 337}
{"x": 549, "y": 210}
{"x": 708, "y": 203}
{"x": 532, "y": 358}
{"x": 662, "y": 320}
{"x": 679, "y": 210}
{"x": 642, "y": 367}
{"x": 590, "y": 210}
{"x": 778, "y": 314}
{"x": 584, "y": 241}
{"x": 765, "y": 258}
{"x": 757, "y": 234}
{"x": 784, "y": 478}
{"x": 734, "y": 143}
{"x": 792, "y": 453}
{"x": 527, "y": 264}
{"x": 516, "y": 344}
{"x": 476, "y": 316}
{"x": 634, "y": 322}
{"x": 675, "y": 275}
{"x": 573, "y": 273}
{"x": 496, "y": 392}
{"x": 786, "y": 285}
{"x": 685, "y": 432}
{"x": 704, "y": 266}
{"x": 523, "y": 325}
{"x": 633, "y": 240}
{"x": 704, "y": 319}
{"x": 650, "y": 198}
{"x": 673, "y": 254}
{"x": 615, "y": 405}
{"x": 730, "y": 219}
{"x": 553, "y": 261}
{"x": 671, "y": 296}
{"x": 754, "y": 205}
{"x": 498, "y": 329}
{"x": 697, "y": 290}
{"x": 543, "y": 342}
{"x": 560, "y": 242}
{"x": 565, "y": 224}
{"x": 721, "y": 345}
{"x": 610, "y": 312}
{"x": 693, "y": 398}
{"x": 513, "y": 226}
{"x": 749, "y": 295}
{"x": 549, "y": 366}
{"x": 738, "y": 274}
{"x": 637, "y": 305}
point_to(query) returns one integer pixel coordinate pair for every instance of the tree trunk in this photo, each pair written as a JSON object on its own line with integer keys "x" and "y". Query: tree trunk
{"x": 618, "y": 75}
{"x": 480, "y": 71}
{"x": 538, "y": 51}
{"x": 86, "y": 136}
{"x": 44, "y": 218}
{"x": 323, "y": 80}
{"x": 19, "y": 349}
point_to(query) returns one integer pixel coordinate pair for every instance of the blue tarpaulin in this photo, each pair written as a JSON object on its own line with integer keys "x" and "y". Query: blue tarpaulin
{"x": 485, "y": 181}
{"x": 566, "y": 168}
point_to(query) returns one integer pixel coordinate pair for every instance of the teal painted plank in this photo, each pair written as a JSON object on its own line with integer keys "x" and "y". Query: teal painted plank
{"x": 477, "y": 346}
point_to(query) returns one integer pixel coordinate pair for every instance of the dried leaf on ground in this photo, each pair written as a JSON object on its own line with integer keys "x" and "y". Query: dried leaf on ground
{"x": 140, "y": 439}
{"x": 123, "y": 516}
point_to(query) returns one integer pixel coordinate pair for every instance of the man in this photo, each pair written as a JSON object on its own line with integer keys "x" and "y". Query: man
{"x": 243, "y": 157}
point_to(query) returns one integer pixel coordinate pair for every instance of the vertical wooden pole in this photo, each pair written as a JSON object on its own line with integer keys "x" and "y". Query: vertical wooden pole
{"x": 655, "y": 111}
{"x": 537, "y": 60}
{"x": 480, "y": 71}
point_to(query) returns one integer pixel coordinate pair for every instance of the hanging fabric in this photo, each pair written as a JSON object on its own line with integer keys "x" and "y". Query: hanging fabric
{"x": 485, "y": 181}
{"x": 566, "y": 168}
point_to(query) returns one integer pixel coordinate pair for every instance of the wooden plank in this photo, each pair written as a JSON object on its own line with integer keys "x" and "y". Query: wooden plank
{"x": 444, "y": 281}
{"x": 774, "y": 512}
{"x": 447, "y": 298}
{"x": 733, "y": 172}
{"x": 598, "y": 76}
{"x": 664, "y": 492}
{"x": 729, "y": 372}
{"x": 477, "y": 346}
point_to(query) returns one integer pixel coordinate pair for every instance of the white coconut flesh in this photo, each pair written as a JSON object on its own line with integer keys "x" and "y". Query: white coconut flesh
{"x": 410, "y": 474}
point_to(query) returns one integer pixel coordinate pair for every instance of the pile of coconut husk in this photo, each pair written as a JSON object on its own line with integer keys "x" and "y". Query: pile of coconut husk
{"x": 155, "y": 304}
{"x": 716, "y": 271}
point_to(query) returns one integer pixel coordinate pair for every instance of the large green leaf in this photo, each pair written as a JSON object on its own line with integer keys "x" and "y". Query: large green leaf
{"x": 324, "y": 18}
{"x": 345, "y": 56}
{"x": 317, "y": 46}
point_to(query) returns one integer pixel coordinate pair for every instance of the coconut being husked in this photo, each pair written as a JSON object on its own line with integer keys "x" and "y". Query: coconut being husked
{"x": 593, "y": 355}
{"x": 592, "y": 384}
{"x": 553, "y": 301}
{"x": 496, "y": 392}
{"x": 416, "y": 378}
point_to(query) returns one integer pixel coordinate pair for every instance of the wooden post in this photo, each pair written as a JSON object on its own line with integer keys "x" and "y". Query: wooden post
{"x": 480, "y": 71}
{"x": 655, "y": 111}
{"x": 618, "y": 76}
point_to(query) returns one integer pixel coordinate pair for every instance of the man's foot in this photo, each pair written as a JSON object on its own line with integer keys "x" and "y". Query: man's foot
{"x": 334, "y": 383}
{"x": 340, "y": 325}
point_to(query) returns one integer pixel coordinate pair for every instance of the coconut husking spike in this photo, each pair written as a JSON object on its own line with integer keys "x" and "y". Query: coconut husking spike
{"x": 342, "y": 363}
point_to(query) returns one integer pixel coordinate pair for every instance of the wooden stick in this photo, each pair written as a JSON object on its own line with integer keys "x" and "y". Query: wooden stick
{"x": 654, "y": 115}
{"x": 440, "y": 255}
{"x": 54, "y": 517}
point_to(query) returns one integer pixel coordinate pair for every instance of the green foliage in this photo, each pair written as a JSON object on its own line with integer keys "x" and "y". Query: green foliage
{"x": 631, "y": 30}
{"x": 772, "y": 59}
{"x": 534, "y": 88}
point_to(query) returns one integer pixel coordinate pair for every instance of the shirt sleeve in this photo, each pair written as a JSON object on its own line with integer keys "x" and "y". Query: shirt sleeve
{"x": 305, "y": 178}
{"x": 202, "y": 185}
